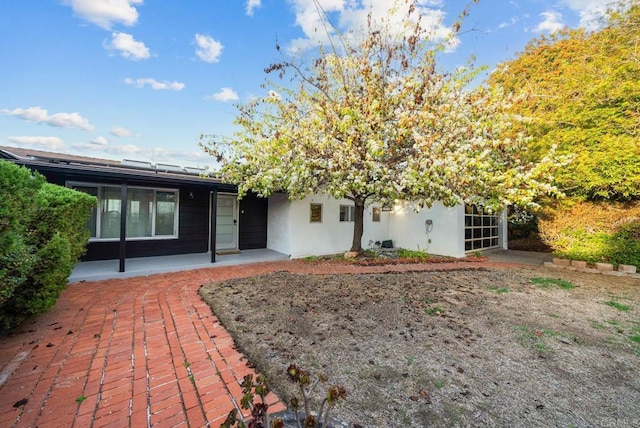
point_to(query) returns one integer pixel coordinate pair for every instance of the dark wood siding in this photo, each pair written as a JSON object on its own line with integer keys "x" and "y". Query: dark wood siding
{"x": 253, "y": 223}
{"x": 193, "y": 233}
{"x": 193, "y": 221}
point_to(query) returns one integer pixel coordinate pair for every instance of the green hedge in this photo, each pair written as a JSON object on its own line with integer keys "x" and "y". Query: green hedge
{"x": 594, "y": 231}
{"x": 42, "y": 235}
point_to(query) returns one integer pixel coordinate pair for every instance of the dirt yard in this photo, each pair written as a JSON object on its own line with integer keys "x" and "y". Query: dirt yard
{"x": 472, "y": 347}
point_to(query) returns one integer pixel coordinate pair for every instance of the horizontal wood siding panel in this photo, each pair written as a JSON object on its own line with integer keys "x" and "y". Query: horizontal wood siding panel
{"x": 193, "y": 233}
{"x": 193, "y": 227}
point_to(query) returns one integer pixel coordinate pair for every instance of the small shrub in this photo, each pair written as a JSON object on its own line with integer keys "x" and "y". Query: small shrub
{"x": 521, "y": 223}
{"x": 625, "y": 245}
{"x": 403, "y": 253}
{"x": 259, "y": 407}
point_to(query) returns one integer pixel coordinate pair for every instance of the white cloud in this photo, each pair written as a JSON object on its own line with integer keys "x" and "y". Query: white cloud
{"x": 60, "y": 120}
{"x": 154, "y": 84}
{"x": 128, "y": 47}
{"x": 351, "y": 18}
{"x": 513, "y": 21}
{"x": 105, "y": 13}
{"x": 51, "y": 143}
{"x": 552, "y": 21}
{"x": 111, "y": 150}
{"x": 119, "y": 131}
{"x": 252, "y": 5}
{"x": 100, "y": 141}
{"x": 225, "y": 94}
{"x": 209, "y": 49}
{"x": 275, "y": 95}
{"x": 310, "y": 20}
{"x": 590, "y": 11}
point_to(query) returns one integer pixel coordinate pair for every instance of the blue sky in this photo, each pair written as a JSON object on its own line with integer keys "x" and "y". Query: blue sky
{"x": 142, "y": 79}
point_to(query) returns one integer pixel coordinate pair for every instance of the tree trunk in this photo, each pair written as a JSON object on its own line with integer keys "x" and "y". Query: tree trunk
{"x": 358, "y": 225}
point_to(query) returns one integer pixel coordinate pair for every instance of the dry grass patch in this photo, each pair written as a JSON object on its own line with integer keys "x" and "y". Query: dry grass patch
{"x": 466, "y": 347}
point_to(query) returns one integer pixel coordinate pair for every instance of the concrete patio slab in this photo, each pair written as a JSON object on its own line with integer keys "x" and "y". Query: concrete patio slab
{"x": 144, "y": 266}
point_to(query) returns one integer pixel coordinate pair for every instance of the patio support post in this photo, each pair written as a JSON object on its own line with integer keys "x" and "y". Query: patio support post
{"x": 123, "y": 225}
{"x": 214, "y": 215}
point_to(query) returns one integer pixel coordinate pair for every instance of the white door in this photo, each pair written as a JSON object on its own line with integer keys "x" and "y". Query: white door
{"x": 227, "y": 222}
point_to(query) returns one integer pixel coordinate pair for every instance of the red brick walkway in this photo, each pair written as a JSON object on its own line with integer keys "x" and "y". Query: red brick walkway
{"x": 136, "y": 352}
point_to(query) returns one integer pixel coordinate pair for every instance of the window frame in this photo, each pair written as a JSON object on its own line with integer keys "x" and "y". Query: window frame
{"x": 317, "y": 217}
{"x": 349, "y": 213}
{"x": 375, "y": 214}
{"x": 481, "y": 229}
{"x": 97, "y": 220}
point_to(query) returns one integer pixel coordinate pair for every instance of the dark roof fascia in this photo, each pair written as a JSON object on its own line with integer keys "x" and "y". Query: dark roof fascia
{"x": 111, "y": 172}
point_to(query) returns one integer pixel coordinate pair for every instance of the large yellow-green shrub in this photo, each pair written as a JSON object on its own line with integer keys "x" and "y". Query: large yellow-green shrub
{"x": 594, "y": 231}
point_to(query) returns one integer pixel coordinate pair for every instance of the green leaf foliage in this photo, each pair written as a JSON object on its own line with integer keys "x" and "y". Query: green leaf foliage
{"x": 594, "y": 231}
{"x": 18, "y": 190}
{"x": 581, "y": 91}
{"x": 63, "y": 210}
{"x": 42, "y": 235}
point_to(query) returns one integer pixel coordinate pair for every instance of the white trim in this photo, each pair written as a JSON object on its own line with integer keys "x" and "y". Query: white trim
{"x": 235, "y": 226}
{"x": 350, "y": 213}
{"x": 491, "y": 230}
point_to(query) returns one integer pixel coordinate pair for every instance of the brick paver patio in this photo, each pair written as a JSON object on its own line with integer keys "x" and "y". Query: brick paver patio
{"x": 137, "y": 352}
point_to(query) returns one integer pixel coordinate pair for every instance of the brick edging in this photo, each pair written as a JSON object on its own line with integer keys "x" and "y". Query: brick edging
{"x": 628, "y": 271}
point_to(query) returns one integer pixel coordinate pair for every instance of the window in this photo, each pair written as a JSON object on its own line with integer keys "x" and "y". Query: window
{"x": 375, "y": 214}
{"x": 316, "y": 213}
{"x": 347, "y": 212}
{"x": 92, "y": 224}
{"x": 481, "y": 229}
{"x": 165, "y": 213}
{"x": 151, "y": 213}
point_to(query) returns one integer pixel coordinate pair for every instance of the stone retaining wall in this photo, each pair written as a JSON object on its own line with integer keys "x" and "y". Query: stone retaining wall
{"x": 603, "y": 268}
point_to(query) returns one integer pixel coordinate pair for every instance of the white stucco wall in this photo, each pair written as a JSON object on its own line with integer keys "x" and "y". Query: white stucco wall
{"x": 504, "y": 229}
{"x": 331, "y": 236}
{"x": 291, "y": 231}
{"x": 279, "y": 223}
{"x": 408, "y": 230}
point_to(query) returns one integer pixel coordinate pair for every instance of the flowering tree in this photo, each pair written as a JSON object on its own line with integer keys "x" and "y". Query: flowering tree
{"x": 371, "y": 118}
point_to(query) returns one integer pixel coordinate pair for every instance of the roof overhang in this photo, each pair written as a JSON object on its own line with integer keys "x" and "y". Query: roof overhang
{"x": 110, "y": 170}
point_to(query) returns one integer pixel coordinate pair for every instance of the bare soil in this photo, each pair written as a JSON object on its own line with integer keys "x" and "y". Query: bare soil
{"x": 469, "y": 347}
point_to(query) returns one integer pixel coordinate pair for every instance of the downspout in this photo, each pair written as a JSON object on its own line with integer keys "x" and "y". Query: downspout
{"x": 123, "y": 225}
{"x": 214, "y": 215}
